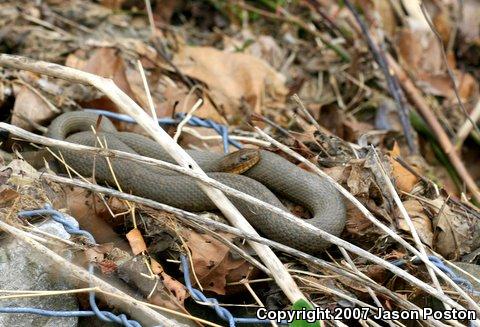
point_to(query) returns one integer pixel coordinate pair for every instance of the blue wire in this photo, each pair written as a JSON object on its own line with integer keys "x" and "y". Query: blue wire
{"x": 69, "y": 226}
{"x": 222, "y": 130}
{"x": 48, "y": 313}
{"x": 108, "y": 316}
{"x": 223, "y": 313}
{"x": 72, "y": 228}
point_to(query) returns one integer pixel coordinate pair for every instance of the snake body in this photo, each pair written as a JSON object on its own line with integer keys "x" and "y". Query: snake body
{"x": 271, "y": 174}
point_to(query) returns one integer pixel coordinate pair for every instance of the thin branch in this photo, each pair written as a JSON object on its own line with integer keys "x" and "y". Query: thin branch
{"x": 407, "y": 218}
{"x": 466, "y": 127}
{"x": 392, "y": 83}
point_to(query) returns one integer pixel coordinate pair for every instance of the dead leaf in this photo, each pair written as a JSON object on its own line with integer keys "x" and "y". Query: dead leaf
{"x": 181, "y": 100}
{"x": 264, "y": 47}
{"x": 357, "y": 224}
{"x": 232, "y": 77}
{"x": 377, "y": 273}
{"x": 469, "y": 25}
{"x": 137, "y": 243}
{"x": 455, "y": 234}
{"x": 441, "y": 84}
{"x": 7, "y": 195}
{"x": 107, "y": 267}
{"x": 213, "y": 262}
{"x": 89, "y": 210}
{"x": 135, "y": 272}
{"x": 30, "y": 107}
{"x": 112, "y": 4}
{"x": 404, "y": 179}
{"x": 443, "y": 24}
{"x": 164, "y": 9}
{"x": 157, "y": 268}
{"x": 107, "y": 62}
{"x": 420, "y": 52}
{"x": 174, "y": 286}
{"x": 97, "y": 253}
{"x": 420, "y": 220}
{"x": 359, "y": 179}
{"x": 354, "y": 129}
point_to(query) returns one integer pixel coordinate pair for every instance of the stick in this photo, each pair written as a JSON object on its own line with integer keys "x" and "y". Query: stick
{"x": 392, "y": 83}
{"x": 410, "y": 224}
{"x": 130, "y": 107}
{"x": 467, "y": 127}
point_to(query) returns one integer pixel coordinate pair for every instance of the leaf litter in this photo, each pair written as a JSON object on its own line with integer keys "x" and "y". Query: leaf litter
{"x": 245, "y": 61}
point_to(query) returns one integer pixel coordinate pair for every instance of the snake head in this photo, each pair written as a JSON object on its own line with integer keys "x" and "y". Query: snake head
{"x": 239, "y": 161}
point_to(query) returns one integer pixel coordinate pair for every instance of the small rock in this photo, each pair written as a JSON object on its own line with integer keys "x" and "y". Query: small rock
{"x": 21, "y": 270}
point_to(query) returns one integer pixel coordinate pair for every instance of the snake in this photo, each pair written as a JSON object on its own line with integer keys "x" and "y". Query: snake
{"x": 256, "y": 172}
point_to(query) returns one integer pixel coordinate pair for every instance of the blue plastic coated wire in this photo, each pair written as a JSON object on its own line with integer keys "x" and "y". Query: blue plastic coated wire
{"x": 222, "y": 130}
{"x": 108, "y": 316}
{"x": 223, "y": 313}
{"x": 71, "y": 227}
{"x": 441, "y": 265}
{"x": 48, "y": 313}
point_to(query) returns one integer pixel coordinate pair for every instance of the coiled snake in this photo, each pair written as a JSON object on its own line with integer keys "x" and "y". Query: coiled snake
{"x": 271, "y": 174}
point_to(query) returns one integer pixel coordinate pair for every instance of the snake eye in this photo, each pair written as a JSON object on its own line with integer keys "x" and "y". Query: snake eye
{"x": 243, "y": 157}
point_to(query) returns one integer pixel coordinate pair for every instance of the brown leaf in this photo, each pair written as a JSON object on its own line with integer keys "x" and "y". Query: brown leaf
{"x": 353, "y": 129}
{"x": 174, "y": 286}
{"x": 182, "y": 101}
{"x": 88, "y": 209}
{"x": 232, "y": 77}
{"x": 420, "y": 51}
{"x": 7, "y": 195}
{"x": 213, "y": 262}
{"x": 455, "y": 234}
{"x": 359, "y": 179}
{"x": 357, "y": 224}
{"x": 137, "y": 243}
{"x": 404, "y": 179}
{"x": 469, "y": 25}
{"x": 377, "y": 273}
{"x": 106, "y": 62}
{"x": 443, "y": 24}
{"x": 156, "y": 267}
{"x": 30, "y": 107}
{"x": 97, "y": 253}
{"x": 387, "y": 15}
{"x": 420, "y": 220}
{"x": 441, "y": 84}
{"x": 112, "y": 4}
{"x": 164, "y": 9}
